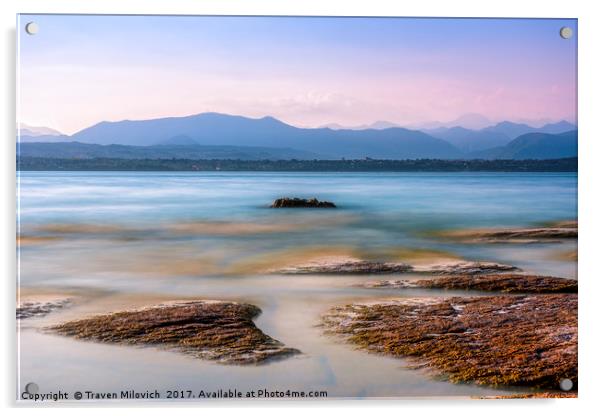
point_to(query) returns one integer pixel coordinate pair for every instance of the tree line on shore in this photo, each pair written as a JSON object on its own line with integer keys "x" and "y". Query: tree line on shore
{"x": 293, "y": 165}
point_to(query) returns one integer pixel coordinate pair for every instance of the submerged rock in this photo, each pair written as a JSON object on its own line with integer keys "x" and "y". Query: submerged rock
{"x": 528, "y": 340}
{"x": 553, "y": 233}
{"x": 301, "y": 203}
{"x": 347, "y": 267}
{"x": 218, "y": 331}
{"x": 356, "y": 266}
{"x": 30, "y": 309}
{"x": 509, "y": 283}
{"x": 464, "y": 267}
{"x": 564, "y": 224}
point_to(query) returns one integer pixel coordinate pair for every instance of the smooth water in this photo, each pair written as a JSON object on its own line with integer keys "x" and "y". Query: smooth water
{"x": 119, "y": 240}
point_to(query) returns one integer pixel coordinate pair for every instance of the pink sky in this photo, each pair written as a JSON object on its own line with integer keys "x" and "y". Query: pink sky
{"x": 307, "y": 72}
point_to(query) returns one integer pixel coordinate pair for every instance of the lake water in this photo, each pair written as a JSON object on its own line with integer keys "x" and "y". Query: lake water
{"x": 117, "y": 240}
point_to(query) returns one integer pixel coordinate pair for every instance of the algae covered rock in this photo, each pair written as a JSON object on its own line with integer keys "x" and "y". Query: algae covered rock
{"x": 29, "y": 309}
{"x": 212, "y": 330}
{"x": 464, "y": 267}
{"x": 358, "y": 266}
{"x": 346, "y": 267}
{"x": 508, "y": 283}
{"x": 528, "y": 340}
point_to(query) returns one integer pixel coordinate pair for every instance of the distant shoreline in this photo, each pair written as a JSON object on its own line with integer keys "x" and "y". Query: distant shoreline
{"x": 231, "y": 165}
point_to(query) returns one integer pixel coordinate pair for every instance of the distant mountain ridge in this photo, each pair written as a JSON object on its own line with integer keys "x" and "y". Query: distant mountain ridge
{"x": 497, "y": 135}
{"x": 535, "y": 146}
{"x": 377, "y": 125}
{"x": 222, "y": 129}
{"x": 513, "y": 130}
{"x": 229, "y": 135}
{"x": 28, "y": 134}
{"x": 469, "y": 140}
{"x": 472, "y": 121}
{"x": 27, "y": 130}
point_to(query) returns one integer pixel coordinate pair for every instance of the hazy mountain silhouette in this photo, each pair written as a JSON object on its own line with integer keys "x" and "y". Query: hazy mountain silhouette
{"x": 377, "y": 125}
{"x": 27, "y": 130}
{"x": 535, "y": 146}
{"x": 513, "y": 130}
{"x": 469, "y": 140}
{"x": 30, "y": 134}
{"x": 494, "y": 136}
{"x": 471, "y": 121}
{"x": 222, "y": 129}
{"x": 227, "y": 136}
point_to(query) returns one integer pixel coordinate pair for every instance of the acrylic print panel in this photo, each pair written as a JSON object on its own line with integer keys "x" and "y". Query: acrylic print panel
{"x": 296, "y": 208}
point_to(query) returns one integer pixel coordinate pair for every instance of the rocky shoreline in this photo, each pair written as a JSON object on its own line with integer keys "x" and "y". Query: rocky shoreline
{"x": 525, "y": 335}
{"x": 223, "y": 332}
{"x": 528, "y": 340}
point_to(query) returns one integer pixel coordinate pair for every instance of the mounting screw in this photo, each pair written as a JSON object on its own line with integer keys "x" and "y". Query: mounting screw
{"x": 566, "y": 384}
{"x": 566, "y": 32}
{"x": 32, "y": 28}
{"x": 32, "y": 388}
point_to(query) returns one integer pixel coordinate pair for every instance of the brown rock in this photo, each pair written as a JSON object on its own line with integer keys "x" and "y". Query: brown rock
{"x": 538, "y": 395}
{"x": 218, "y": 331}
{"x": 464, "y": 267}
{"x": 356, "y": 266}
{"x": 347, "y": 267}
{"x": 497, "y": 340}
{"x": 29, "y": 309}
{"x": 509, "y": 283}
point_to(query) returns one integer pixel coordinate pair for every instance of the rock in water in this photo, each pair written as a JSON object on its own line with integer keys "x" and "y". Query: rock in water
{"x": 30, "y": 309}
{"x": 301, "y": 203}
{"x": 526, "y": 340}
{"x": 555, "y": 232}
{"x": 347, "y": 267}
{"x": 509, "y": 283}
{"x": 357, "y": 266}
{"x": 464, "y": 267}
{"x": 218, "y": 331}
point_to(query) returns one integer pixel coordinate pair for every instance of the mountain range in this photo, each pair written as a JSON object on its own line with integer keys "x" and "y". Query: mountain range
{"x": 30, "y": 134}
{"x": 215, "y": 135}
{"x": 377, "y": 125}
{"x": 534, "y": 146}
{"x": 497, "y": 135}
{"x": 27, "y": 130}
{"x": 211, "y": 129}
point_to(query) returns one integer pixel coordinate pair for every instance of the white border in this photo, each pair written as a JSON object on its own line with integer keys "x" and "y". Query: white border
{"x": 590, "y": 68}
